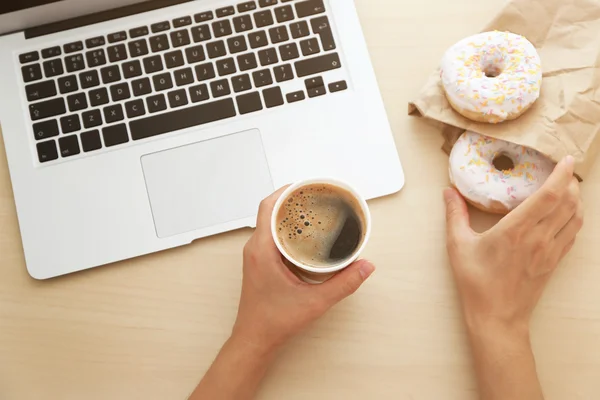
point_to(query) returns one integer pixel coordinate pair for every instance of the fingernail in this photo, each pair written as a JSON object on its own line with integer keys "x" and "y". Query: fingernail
{"x": 448, "y": 194}
{"x": 569, "y": 160}
{"x": 366, "y": 269}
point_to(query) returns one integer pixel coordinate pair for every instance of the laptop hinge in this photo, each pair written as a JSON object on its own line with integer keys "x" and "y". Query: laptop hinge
{"x": 99, "y": 17}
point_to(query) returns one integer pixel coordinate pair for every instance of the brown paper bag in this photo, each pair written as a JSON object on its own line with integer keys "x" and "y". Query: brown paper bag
{"x": 566, "y": 118}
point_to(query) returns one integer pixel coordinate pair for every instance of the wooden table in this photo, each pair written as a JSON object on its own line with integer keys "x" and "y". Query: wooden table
{"x": 149, "y": 328}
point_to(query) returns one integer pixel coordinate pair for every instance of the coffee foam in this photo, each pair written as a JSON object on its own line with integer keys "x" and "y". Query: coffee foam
{"x": 310, "y": 220}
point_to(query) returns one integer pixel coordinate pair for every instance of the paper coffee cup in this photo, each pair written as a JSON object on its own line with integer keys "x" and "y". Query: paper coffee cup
{"x": 305, "y": 271}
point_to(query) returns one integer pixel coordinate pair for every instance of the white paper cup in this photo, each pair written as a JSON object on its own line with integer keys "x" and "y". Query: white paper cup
{"x": 308, "y": 273}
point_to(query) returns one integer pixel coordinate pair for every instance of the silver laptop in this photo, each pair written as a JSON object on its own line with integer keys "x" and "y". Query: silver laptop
{"x": 132, "y": 127}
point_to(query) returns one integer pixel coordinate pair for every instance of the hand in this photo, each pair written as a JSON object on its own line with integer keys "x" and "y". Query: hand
{"x": 502, "y": 273}
{"x": 275, "y": 304}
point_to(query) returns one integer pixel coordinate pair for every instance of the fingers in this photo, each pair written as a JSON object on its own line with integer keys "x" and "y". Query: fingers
{"x": 345, "y": 283}
{"x": 568, "y": 233}
{"x": 457, "y": 216}
{"x": 553, "y": 223}
{"x": 263, "y": 220}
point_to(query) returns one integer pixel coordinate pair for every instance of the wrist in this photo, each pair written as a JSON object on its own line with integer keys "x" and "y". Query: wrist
{"x": 260, "y": 347}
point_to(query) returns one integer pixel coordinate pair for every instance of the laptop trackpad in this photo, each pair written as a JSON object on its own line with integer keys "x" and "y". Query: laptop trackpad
{"x": 207, "y": 183}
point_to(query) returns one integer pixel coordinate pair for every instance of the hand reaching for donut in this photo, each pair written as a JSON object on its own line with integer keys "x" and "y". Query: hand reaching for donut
{"x": 501, "y": 274}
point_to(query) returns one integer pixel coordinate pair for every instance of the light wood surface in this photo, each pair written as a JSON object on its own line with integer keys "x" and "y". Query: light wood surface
{"x": 148, "y": 328}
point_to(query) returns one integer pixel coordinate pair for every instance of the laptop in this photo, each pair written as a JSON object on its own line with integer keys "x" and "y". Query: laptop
{"x": 132, "y": 127}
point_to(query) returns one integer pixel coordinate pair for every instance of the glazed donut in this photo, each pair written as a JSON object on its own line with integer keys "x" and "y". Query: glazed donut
{"x": 476, "y": 172}
{"x": 492, "y": 77}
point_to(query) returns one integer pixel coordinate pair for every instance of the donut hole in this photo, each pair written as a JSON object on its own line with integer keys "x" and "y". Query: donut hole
{"x": 492, "y": 67}
{"x": 502, "y": 162}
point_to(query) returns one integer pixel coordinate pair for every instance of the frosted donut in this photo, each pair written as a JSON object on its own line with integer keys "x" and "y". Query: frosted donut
{"x": 492, "y": 77}
{"x": 473, "y": 172}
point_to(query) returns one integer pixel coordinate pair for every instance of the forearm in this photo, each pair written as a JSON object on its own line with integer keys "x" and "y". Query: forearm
{"x": 505, "y": 364}
{"x": 236, "y": 373}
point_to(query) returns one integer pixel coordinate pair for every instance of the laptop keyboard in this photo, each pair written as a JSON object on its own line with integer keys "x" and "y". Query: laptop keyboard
{"x": 150, "y": 80}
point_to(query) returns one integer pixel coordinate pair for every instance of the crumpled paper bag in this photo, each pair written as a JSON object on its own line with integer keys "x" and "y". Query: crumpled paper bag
{"x": 566, "y": 118}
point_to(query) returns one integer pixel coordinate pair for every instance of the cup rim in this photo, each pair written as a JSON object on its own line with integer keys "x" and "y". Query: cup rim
{"x": 332, "y": 181}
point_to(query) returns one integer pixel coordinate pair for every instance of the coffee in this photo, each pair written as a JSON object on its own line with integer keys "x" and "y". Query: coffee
{"x": 321, "y": 225}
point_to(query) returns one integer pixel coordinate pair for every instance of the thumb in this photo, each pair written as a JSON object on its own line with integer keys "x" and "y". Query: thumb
{"x": 346, "y": 282}
{"x": 457, "y": 215}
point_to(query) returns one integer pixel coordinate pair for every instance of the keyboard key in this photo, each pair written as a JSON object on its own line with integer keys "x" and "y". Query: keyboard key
{"x": 216, "y": 49}
{"x": 70, "y": 123}
{"x": 226, "y": 66}
{"x": 177, "y": 98}
{"x": 195, "y": 54}
{"x": 117, "y": 53}
{"x": 241, "y": 83}
{"x": 309, "y": 7}
{"x": 110, "y": 74}
{"x": 91, "y": 119}
{"x": 131, "y": 69}
{"x": 289, "y": 51}
{"x": 159, "y": 43}
{"x": 180, "y": 38}
{"x": 183, "y": 118}
{"x": 220, "y": 88}
{"x": 77, "y": 102}
{"x": 317, "y": 65}
{"x": 73, "y": 63}
{"x": 284, "y": 14}
{"x": 117, "y": 37}
{"x": 51, "y": 52}
{"x": 225, "y": 11}
{"x": 321, "y": 27}
{"x": 162, "y": 82}
{"x": 278, "y": 34}
{"x": 247, "y": 6}
{"x": 113, "y": 113}
{"x": 247, "y": 61}
{"x": 299, "y": 29}
{"x": 222, "y": 28}
{"x": 46, "y": 109}
{"x": 45, "y": 130}
{"x": 73, "y": 47}
{"x": 248, "y": 103}
{"x": 153, "y": 64}
{"x": 42, "y": 90}
{"x": 98, "y": 96}
{"x": 160, "y": 26}
{"x": 138, "y": 48}
{"x": 184, "y": 76}
{"x": 141, "y": 87}
{"x": 338, "y": 86}
{"x": 283, "y": 73}
{"x": 53, "y": 68}
{"x": 120, "y": 92}
{"x": 89, "y": 79}
{"x": 273, "y": 97}
{"x": 262, "y": 78}
{"x": 205, "y": 71}
{"x": 237, "y": 44}
{"x": 204, "y": 16}
{"x": 295, "y": 96}
{"x": 29, "y": 57}
{"x": 267, "y": 3}
{"x": 47, "y": 151}
{"x": 155, "y": 103}
{"x": 69, "y": 146}
{"x": 114, "y": 135}
{"x": 263, "y": 18}
{"x": 199, "y": 93}
{"x": 268, "y": 56}
{"x": 310, "y": 46}
{"x": 90, "y": 141}
{"x": 317, "y": 91}
{"x": 137, "y": 32}
{"x": 95, "y": 42}
{"x": 182, "y": 21}
{"x": 258, "y": 39}
{"x": 135, "y": 108}
{"x": 31, "y": 72}
{"x": 174, "y": 59}
{"x": 68, "y": 84}
{"x": 201, "y": 33}
{"x": 314, "y": 82}
{"x": 242, "y": 23}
